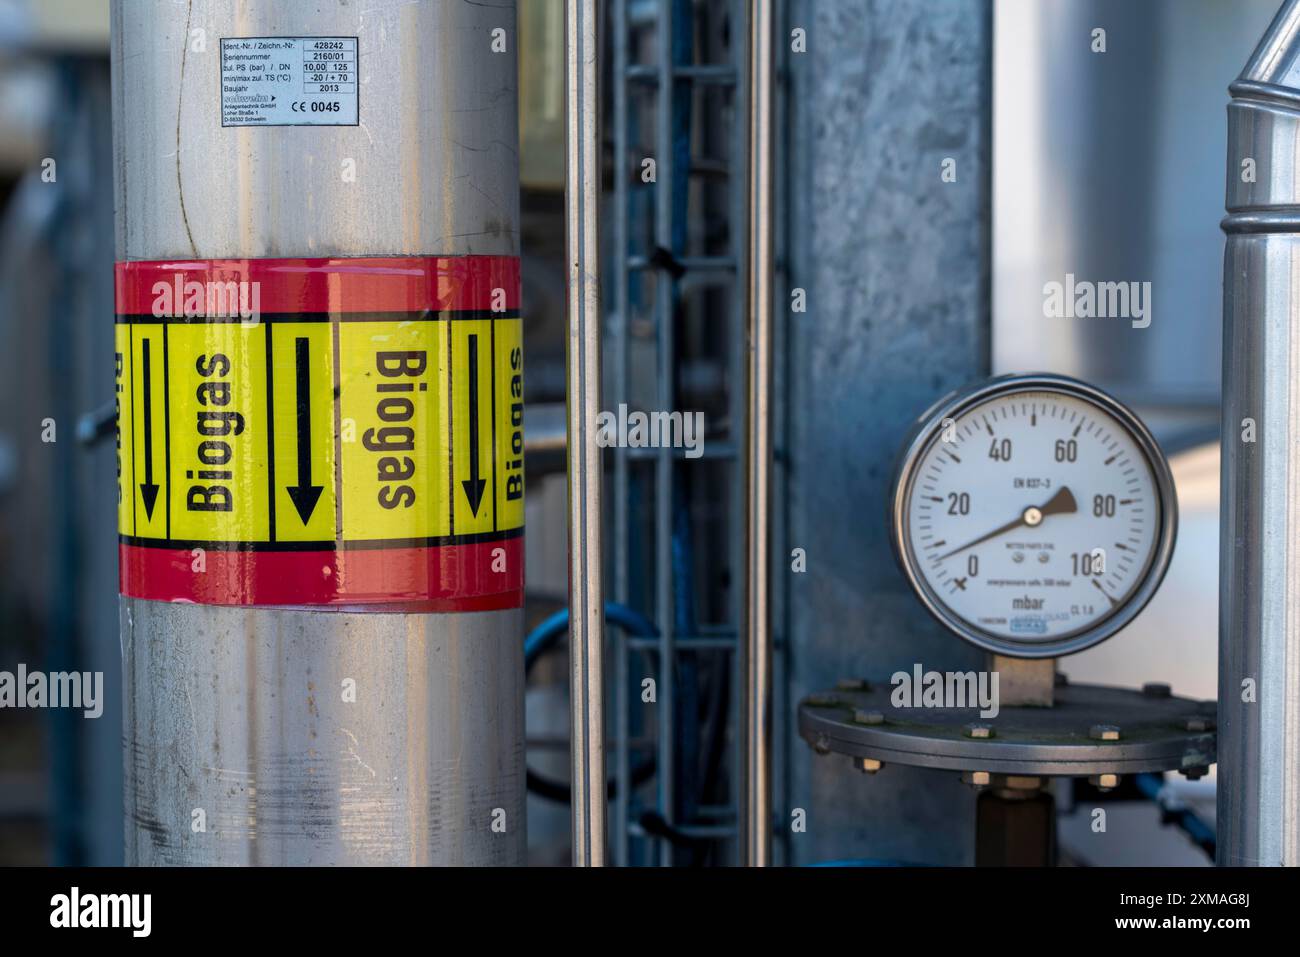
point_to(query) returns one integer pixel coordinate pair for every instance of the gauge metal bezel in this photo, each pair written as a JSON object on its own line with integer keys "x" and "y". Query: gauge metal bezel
{"x": 953, "y": 406}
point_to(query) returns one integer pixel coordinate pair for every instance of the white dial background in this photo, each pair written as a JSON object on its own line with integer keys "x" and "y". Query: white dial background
{"x": 1005, "y": 570}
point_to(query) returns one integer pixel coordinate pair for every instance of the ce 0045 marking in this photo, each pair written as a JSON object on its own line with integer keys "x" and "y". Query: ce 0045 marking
{"x": 289, "y": 81}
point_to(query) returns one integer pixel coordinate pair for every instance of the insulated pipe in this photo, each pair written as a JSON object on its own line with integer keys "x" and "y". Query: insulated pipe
{"x": 586, "y": 553}
{"x": 357, "y": 164}
{"x": 757, "y": 704}
{"x": 1259, "y": 540}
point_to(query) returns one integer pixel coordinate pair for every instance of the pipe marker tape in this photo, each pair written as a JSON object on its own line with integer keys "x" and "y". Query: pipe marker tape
{"x": 341, "y": 432}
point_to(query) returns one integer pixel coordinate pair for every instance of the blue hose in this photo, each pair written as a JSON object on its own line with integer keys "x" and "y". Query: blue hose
{"x": 548, "y": 632}
{"x": 1200, "y": 833}
{"x": 863, "y": 862}
{"x": 539, "y": 641}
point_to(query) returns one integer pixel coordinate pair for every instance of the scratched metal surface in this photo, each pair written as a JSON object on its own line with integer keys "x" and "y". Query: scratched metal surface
{"x": 240, "y": 714}
{"x": 895, "y": 263}
{"x": 435, "y": 151}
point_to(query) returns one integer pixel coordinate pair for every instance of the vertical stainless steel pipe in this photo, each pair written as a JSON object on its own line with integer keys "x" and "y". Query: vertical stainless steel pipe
{"x": 1259, "y": 589}
{"x": 240, "y": 748}
{"x": 621, "y": 527}
{"x": 586, "y": 553}
{"x": 758, "y": 453}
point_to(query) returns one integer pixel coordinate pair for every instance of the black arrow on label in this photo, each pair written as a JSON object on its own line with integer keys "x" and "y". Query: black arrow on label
{"x": 473, "y": 485}
{"x": 304, "y": 494}
{"x": 148, "y": 490}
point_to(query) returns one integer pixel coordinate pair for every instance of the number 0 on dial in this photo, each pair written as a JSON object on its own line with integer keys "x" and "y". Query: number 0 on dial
{"x": 1034, "y": 515}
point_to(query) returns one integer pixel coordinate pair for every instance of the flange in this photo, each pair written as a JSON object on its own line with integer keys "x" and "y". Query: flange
{"x": 1091, "y": 730}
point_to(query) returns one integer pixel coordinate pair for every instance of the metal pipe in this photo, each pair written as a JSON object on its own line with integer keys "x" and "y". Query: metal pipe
{"x": 586, "y": 559}
{"x": 236, "y": 711}
{"x": 758, "y": 452}
{"x": 1259, "y": 540}
{"x": 620, "y": 392}
{"x": 738, "y": 404}
{"x": 665, "y": 470}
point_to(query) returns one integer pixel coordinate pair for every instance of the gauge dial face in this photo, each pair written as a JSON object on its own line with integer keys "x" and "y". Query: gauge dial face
{"x": 1035, "y": 520}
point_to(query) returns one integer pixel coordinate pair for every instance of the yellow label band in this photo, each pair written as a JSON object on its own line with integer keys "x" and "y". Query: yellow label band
{"x": 321, "y": 432}
{"x": 344, "y": 430}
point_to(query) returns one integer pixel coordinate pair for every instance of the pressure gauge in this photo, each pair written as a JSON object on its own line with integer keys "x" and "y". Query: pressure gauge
{"x": 1034, "y": 515}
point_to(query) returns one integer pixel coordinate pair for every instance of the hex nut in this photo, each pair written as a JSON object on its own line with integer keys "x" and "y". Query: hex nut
{"x": 868, "y": 765}
{"x": 1104, "y": 732}
{"x": 1157, "y": 689}
{"x": 977, "y": 779}
{"x": 1198, "y": 724}
{"x": 1022, "y": 782}
{"x": 823, "y": 699}
{"x": 862, "y": 716}
{"x": 852, "y": 684}
{"x": 1104, "y": 782}
{"x": 979, "y": 731}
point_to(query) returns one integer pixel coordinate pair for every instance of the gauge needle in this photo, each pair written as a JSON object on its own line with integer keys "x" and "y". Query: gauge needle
{"x": 1112, "y": 601}
{"x": 1062, "y": 503}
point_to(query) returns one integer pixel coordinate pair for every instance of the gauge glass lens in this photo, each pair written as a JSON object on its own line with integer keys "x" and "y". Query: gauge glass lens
{"x": 1032, "y": 516}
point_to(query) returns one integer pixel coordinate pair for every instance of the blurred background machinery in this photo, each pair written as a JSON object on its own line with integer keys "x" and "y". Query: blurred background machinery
{"x": 1105, "y": 165}
{"x": 60, "y": 774}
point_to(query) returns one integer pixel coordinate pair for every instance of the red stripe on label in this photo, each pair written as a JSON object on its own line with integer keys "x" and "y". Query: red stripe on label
{"x": 388, "y": 284}
{"x": 481, "y": 566}
{"x": 444, "y": 578}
